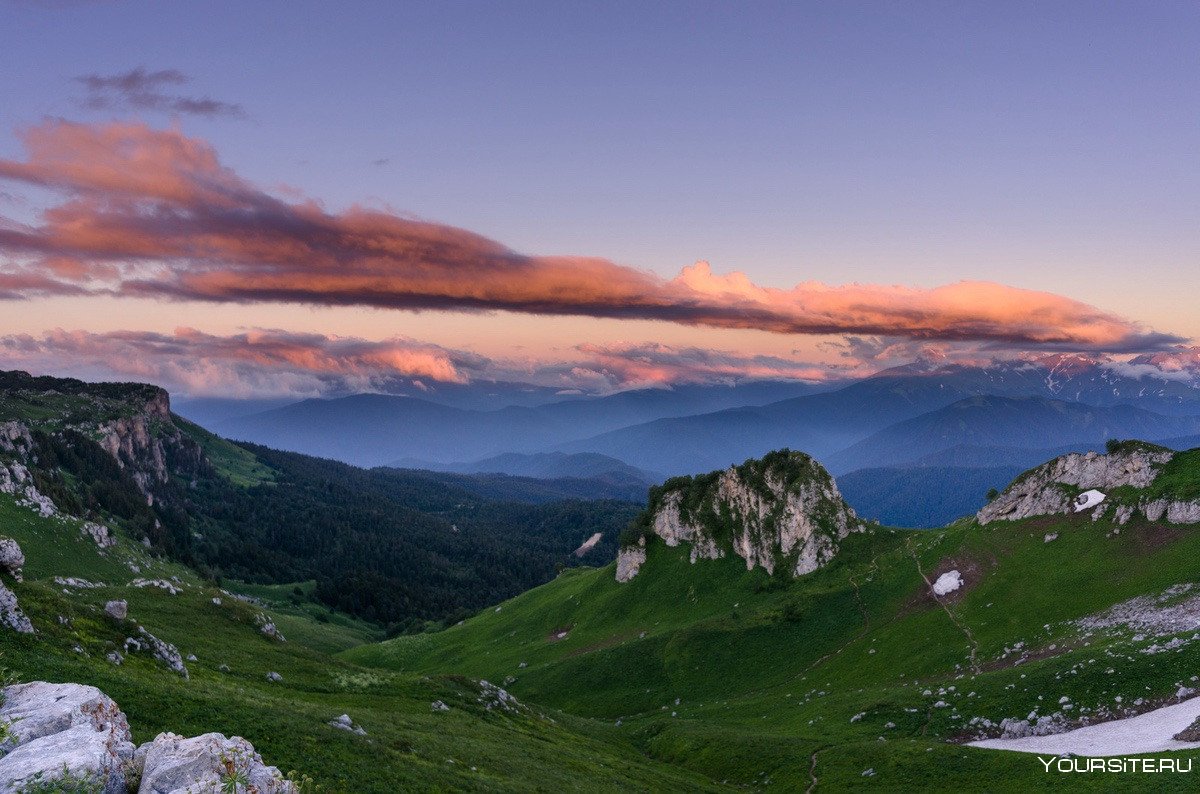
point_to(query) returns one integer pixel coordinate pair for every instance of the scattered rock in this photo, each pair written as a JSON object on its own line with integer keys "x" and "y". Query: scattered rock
{"x": 64, "y": 728}
{"x": 344, "y": 723}
{"x": 162, "y": 584}
{"x": 115, "y": 657}
{"x": 165, "y": 652}
{"x": 11, "y": 614}
{"x": 12, "y": 559}
{"x": 99, "y": 533}
{"x": 493, "y": 697}
{"x": 274, "y": 677}
{"x": 173, "y": 764}
{"x": 438, "y": 705}
{"x": 78, "y": 584}
{"x": 267, "y": 627}
{"x": 1051, "y": 537}
{"x": 117, "y": 610}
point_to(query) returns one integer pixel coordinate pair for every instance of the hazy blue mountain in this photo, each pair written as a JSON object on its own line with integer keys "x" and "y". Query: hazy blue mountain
{"x": 1021, "y": 422}
{"x": 377, "y": 429}
{"x": 544, "y": 465}
{"x": 821, "y": 423}
{"x": 922, "y": 496}
{"x": 532, "y": 490}
{"x": 211, "y": 410}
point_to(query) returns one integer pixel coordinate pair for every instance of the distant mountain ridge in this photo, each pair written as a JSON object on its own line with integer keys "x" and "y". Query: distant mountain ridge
{"x": 544, "y": 465}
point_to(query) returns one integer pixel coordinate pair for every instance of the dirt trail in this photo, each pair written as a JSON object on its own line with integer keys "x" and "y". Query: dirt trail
{"x": 963, "y": 627}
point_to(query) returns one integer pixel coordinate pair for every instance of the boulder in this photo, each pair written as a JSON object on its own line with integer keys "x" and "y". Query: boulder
{"x": 176, "y": 765}
{"x": 99, "y": 534}
{"x": 117, "y": 610}
{"x": 11, "y": 614}
{"x": 163, "y": 651}
{"x": 61, "y": 728}
{"x": 11, "y": 557}
{"x": 344, "y": 723}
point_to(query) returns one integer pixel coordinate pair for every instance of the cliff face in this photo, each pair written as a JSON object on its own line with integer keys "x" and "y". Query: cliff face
{"x": 782, "y": 512}
{"x": 130, "y": 422}
{"x": 1134, "y": 479}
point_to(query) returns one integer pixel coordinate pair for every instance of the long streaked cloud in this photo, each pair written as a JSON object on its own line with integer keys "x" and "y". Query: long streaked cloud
{"x": 258, "y": 362}
{"x": 653, "y": 363}
{"x": 139, "y": 89}
{"x": 276, "y": 363}
{"x": 268, "y": 362}
{"x": 154, "y": 213}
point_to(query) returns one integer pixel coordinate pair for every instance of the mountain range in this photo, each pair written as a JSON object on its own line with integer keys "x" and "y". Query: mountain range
{"x": 947, "y": 417}
{"x": 388, "y": 629}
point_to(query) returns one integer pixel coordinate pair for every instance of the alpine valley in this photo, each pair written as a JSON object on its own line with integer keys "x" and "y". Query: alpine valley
{"x": 180, "y": 610}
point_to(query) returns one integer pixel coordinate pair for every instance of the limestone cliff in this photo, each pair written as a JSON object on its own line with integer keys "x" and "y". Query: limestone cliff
{"x": 782, "y": 512}
{"x": 1133, "y": 479}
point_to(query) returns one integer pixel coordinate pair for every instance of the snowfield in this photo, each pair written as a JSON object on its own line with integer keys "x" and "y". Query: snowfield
{"x": 1146, "y": 733}
{"x": 947, "y": 583}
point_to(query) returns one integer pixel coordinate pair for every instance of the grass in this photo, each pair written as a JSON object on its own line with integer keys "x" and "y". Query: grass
{"x": 237, "y": 464}
{"x": 742, "y": 678}
{"x": 700, "y": 676}
{"x": 408, "y": 745}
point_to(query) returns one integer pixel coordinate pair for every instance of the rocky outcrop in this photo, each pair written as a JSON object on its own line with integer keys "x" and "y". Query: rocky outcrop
{"x": 99, "y": 534}
{"x": 630, "y": 560}
{"x": 176, "y": 765}
{"x": 267, "y": 628}
{"x": 11, "y": 615}
{"x": 12, "y": 559}
{"x": 117, "y": 609}
{"x": 15, "y": 479}
{"x": 163, "y": 651}
{"x": 15, "y": 438}
{"x": 1084, "y": 482}
{"x": 64, "y": 729}
{"x": 781, "y": 512}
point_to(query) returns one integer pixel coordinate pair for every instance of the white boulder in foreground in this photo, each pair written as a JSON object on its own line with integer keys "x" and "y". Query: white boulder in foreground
{"x": 64, "y": 727}
{"x": 177, "y": 765}
{"x": 76, "y": 730}
{"x": 1151, "y": 732}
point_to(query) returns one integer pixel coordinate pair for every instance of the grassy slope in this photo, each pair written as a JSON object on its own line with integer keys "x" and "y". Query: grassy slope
{"x": 408, "y": 746}
{"x": 768, "y": 676}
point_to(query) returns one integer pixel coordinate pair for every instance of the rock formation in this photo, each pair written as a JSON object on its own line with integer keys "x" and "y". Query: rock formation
{"x": 72, "y": 730}
{"x": 61, "y": 728}
{"x": 783, "y": 511}
{"x": 12, "y": 559}
{"x": 1085, "y": 482}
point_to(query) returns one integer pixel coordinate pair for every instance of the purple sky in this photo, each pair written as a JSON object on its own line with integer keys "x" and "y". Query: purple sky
{"x": 1048, "y": 147}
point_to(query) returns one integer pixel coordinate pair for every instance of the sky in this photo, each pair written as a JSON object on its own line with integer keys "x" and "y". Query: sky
{"x": 291, "y": 197}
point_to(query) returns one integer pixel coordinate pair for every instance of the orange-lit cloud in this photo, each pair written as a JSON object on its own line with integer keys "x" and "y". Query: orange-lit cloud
{"x": 161, "y": 209}
{"x": 257, "y": 362}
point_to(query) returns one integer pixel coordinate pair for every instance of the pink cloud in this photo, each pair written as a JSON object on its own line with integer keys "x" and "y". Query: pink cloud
{"x": 172, "y": 222}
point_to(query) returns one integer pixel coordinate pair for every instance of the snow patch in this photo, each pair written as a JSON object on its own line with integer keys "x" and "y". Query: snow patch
{"x": 1088, "y": 499}
{"x": 947, "y": 583}
{"x": 1151, "y": 732}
